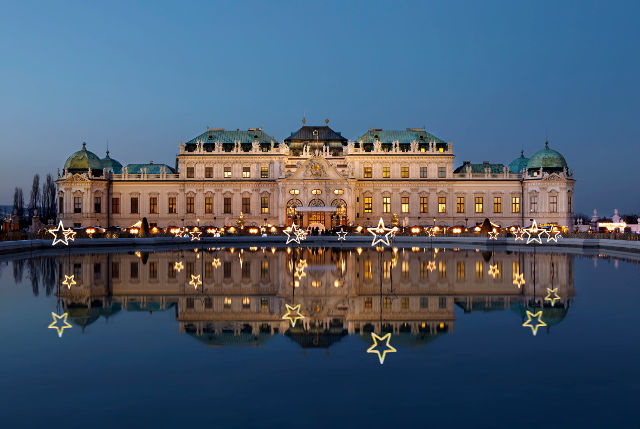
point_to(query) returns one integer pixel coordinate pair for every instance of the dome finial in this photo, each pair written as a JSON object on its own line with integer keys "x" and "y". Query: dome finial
{"x": 546, "y": 144}
{"x": 522, "y": 153}
{"x": 84, "y": 145}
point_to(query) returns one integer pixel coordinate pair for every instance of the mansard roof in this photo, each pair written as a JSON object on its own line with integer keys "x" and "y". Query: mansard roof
{"x": 402, "y": 136}
{"x": 151, "y": 168}
{"x": 306, "y": 133}
{"x": 479, "y": 168}
{"x": 213, "y": 135}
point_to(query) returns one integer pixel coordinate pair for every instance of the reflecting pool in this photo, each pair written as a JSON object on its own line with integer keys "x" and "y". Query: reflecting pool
{"x": 319, "y": 337}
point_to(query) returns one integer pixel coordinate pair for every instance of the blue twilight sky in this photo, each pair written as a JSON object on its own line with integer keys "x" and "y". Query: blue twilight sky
{"x": 492, "y": 77}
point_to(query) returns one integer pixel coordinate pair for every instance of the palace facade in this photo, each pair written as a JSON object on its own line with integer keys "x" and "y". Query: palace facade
{"x": 315, "y": 177}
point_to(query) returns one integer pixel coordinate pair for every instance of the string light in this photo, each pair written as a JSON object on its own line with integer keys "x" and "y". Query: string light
{"x": 195, "y": 281}
{"x": 534, "y": 230}
{"x": 293, "y": 314}
{"x": 539, "y": 322}
{"x": 518, "y": 279}
{"x": 554, "y": 298}
{"x": 519, "y": 234}
{"x": 381, "y": 234}
{"x": 293, "y": 234}
{"x": 69, "y": 281}
{"x": 195, "y": 235}
{"x": 59, "y": 318}
{"x": 342, "y": 234}
{"x": 493, "y": 234}
{"x": 378, "y": 340}
{"x": 553, "y": 236}
{"x": 62, "y": 235}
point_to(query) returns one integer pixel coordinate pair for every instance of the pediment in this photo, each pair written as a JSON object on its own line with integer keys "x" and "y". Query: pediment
{"x": 316, "y": 168}
{"x": 77, "y": 177}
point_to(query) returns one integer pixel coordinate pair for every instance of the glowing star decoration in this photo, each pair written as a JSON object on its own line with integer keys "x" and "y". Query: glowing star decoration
{"x": 532, "y": 231}
{"x": 293, "y": 314}
{"x": 494, "y": 271}
{"x": 431, "y": 266}
{"x": 62, "y": 235}
{"x": 178, "y": 266}
{"x": 342, "y": 234}
{"x": 293, "y": 234}
{"x": 539, "y": 322}
{"x": 377, "y": 341}
{"x": 302, "y": 263}
{"x": 552, "y": 296}
{"x": 69, "y": 281}
{"x": 177, "y": 232}
{"x": 519, "y": 234}
{"x": 59, "y": 327}
{"x": 216, "y": 262}
{"x": 195, "y": 281}
{"x": 381, "y": 234}
{"x": 518, "y": 279}
{"x": 299, "y": 272}
{"x": 553, "y": 235}
{"x": 431, "y": 232}
{"x": 493, "y": 235}
{"x": 301, "y": 233}
{"x": 195, "y": 235}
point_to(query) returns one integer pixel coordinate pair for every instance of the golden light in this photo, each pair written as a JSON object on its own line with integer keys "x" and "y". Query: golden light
{"x": 90, "y": 231}
{"x": 133, "y": 230}
{"x": 154, "y": 230}
{"x": 377, "y": 340}
{"x": 493, "y": 234}
{"x": 178, "y": 266}
{"x": 359, "y": 228}
{"x": 552, "y": 296}
{"x": 69, "y": 281}
{"x": 381, "y": 234}
{"x": 441, "y": 325}
{"x": 253, "y": 230}
{"x": 539, "y": 322}
{"x": 59, "y": 318}
{"x": 232, "y": 230}
{"x": 534, "y": 230}
{"x": 273, "y": 229}
{"x": 62, "y": 235}
{"x": 338, "y": 283}
{"x": 215, "y": 262}
{"x": 359, "y": 250}
{"x": 518, "y": 279}
{"x": 457, "y": 230}
{"x": 416, "y": 230}
{"x": 293, "y": 314}
{"x": 494, "y": 271}
{"x": 195, "y": 281}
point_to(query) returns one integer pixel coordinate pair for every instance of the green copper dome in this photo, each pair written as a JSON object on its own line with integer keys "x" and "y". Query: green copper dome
{"x": 82, "y": 161}
{"x": 111, "y": 164}
{"x": 548, "y": 159}
{"x": 518, "y": 164}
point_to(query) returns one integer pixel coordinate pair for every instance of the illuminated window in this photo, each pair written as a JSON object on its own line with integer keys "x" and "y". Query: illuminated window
{"x": 227, "y": 302}
{"x": 264, "y": 304}
{"x": 316, "y": 191}
{"x": 264, "y": 270}
{"x": 497, "y": 204}
{"x": 460, "y": 270}
{"x": 227, "y": 172}
{"x": 97, "y": 204}
{"x": 338, "y": 191}
{"x": 368, "y": 269}
{"x": 367, "y": 172}
{"x": 367, "y": 204}
{"x": 442, "y": 204}
{"x": 246, "y": 302}
{"x": 459, "y": 204}
{"x": 479, "y": 270}
{"x": 208, "y": 172}
{"x": 553, "y": 203}
{"x": 264, "y": 172}
{"x": 77, "y": 204}
{"x": 386, "y": 269}
{"x": 479, "y": 204}
{"x": 404, "y": 172}
{"x": 405, "y": 303}
{"x": 386, "y": 172}
{"x": 134, "y": 204}
{"x": 442, "y": 269}
{"x": 386, "y": 302}
{"x": 172, "y": 205}
{"x": 246, "y": 205}
{"x": 423, "y": 172}
{"x": 405, "y": 269}
{"x": 227, "y": 205}
{"x": 533, "y": 203}
{"x": 424, "y": 204}
{"x": 316, "y": 283}
{"x": 153, "y": 205}
{"x": 424, "y": 269}
{"x": 246, "y": 172}
{"x": 190, "y": 172}
{"x": 190, "y": 204}
{"x": 208, "y": 205}
{"x": 516, "y": 267}
{"x": 442, "y": 172}
{"x": 115, "y": 205}
{"x": 386, "y": 204}
{"x": 294, "y": 191}
{"x": 368, "y": 303}
{"x": 404, "y": 202}
{"x": 515, "y": 205}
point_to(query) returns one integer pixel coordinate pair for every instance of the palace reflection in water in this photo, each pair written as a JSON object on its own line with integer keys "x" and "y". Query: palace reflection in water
{"x": 242, "y": 297}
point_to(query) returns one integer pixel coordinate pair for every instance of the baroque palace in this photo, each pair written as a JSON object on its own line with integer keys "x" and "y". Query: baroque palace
{"x": 315, "y": 178}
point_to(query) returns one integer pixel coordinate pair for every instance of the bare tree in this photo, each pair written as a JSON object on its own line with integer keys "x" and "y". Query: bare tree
{"x": 18, "y": 202}
{"x": 48, "y": 199}
{"x": 34, "y": 200}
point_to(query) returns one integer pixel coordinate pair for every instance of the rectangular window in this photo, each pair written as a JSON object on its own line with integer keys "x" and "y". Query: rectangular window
{"x": 190, "y": 204}
{"x": 246, "y": 270}
{"x": 442, "y": 302}
{"x": 264, "y": 172}
{"x": 227, "y": 302}
{"x": 424, "y": 269}
{"x": 386, "y": 172}
{"x": 442, "y": 204}
{"x": 97, "y": 204}
{"x": 442, "y": 172}
{"x": 208, "y": 302}
{"x": 405, "y": 303}
{"x": 208, "y": 271}
{"x": 386, "y": 302}
{"x": 404, "y": 204}
{"x": 479, "y": 205}
{"x": 246, "y": 302}
{"x": 533, "y": 202}
{"x": 264, "y": 205}
{"x": 569, "y": 204}
{"x": 190, "y": 302}
{"x": 386, "y": 204}
{"x": 115, "y": 270}
{"x": 226, "y": 268}
{"x": 134, "y": 205}
{"x": 459, "y": 204}
{"x": 208, "y": 205}
{"x": 367, "y": 204}
{"x": 442, "y": 269}
{"x": 404, "y": 172}
{"x": 553, "y": 203}
{"x": 424, "y": 302}
{"x": 367, "y": 172}
{"x": 189, "y": 269}
{"x": 134, "y": 270}
{"x": 405, "y": 269}
{"x": 97, "y": 271}
{"x": 264, "y": 270}
{"x": 515, "y": 204}
{"x": 264, "y": 304}
{"x": 208, "y": 172}
{"x": 153, "y": 270}
{"x": 460, "y": 270}
{"x": 479, "y": 270}
{"x": 227, "y": 205}
{"x": 153, "y": 205}
{"x": 497, "y": 204}
{"x": 172, "y": 205}
{"x": 368, "y": 303}
{"x": 227, "y": 172}
{"x": 246, "y": 172}
{"x": 423, "y": 172}
{"x": 368, "y": 269}
{"x": 246, "y": 205}
{"x": 115, "y": 205}
{"x": 60, "y": 205}
{"x": 77, "y": 204}
{"x": 171, "y": 270}
{"x": 424, "y": 204}
{"x": 190, "y": 172}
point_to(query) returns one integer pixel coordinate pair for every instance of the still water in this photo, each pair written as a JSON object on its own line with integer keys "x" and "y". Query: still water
{"x": 184, "y": 337}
